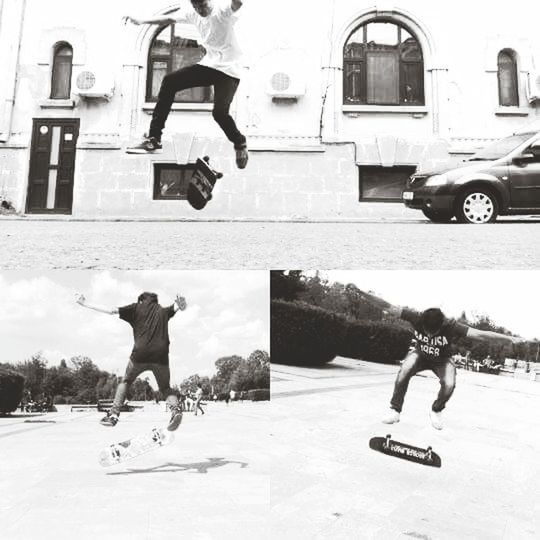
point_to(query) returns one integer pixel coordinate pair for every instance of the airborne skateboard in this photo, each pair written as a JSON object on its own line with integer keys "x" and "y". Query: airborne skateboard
{"x": 405, "y": 451}
{"x": 132, "y": 448}
{"x": 202, "y": 183}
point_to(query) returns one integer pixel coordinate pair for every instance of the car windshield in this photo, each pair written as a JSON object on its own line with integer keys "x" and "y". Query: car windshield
{"x": 501, "y": 148}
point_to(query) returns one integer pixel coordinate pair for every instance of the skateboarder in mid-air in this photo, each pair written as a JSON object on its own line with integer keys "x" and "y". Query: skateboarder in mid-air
{"x": 150, "y": 351}
{"x": 220, "y": 68}
{"x": 431, "y": 349}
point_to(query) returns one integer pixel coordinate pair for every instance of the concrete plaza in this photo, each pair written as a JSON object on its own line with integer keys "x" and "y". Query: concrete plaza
{"x": 213, "y": 481}
{"x": 327, "y": 483}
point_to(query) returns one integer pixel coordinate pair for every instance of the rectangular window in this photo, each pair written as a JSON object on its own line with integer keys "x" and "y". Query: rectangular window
{"x": 382, "y": 78}
{"x": 171, "y": 181}
{"x": 383, "y": 183}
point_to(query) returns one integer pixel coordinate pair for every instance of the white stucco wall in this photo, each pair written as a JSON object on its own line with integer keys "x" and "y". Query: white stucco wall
{"x": 305, "y": 38}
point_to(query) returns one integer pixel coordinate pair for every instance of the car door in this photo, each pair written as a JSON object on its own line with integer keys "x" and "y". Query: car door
{"x": 524, "y": 179}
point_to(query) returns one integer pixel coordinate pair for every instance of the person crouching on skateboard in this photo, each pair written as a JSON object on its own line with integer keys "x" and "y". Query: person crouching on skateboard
{"x": 220, "y": 68}
{"x": 150, "y": 351}
{"x": 431, "y": 349}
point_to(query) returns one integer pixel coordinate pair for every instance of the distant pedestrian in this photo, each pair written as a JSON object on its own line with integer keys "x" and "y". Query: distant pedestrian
{"x": 198, "y": 398}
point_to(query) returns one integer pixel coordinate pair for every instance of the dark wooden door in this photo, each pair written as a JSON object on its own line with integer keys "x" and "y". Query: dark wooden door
{"x": 52, "y": 165}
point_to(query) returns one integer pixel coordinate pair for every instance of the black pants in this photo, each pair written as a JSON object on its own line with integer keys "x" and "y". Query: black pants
{"x": 191, "y": 77}
{"x": 412, "y": 365}
{"x": 133, "y": 370}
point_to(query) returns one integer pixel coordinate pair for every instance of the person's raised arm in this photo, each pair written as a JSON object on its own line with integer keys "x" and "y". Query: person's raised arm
{"x": 159, "y": 19}
{"x": 179, "y": 303}
{"x": 81, "y": 300}
{"x": 486, "y": 335}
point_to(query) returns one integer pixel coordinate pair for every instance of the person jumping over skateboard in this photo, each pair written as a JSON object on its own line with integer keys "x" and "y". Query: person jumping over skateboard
{"x": 431, "y": 348}
{"x": 150, "y": 351}
{"x": 220, "y": 68}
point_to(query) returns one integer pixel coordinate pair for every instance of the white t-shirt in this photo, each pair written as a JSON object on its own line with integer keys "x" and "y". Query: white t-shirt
{"x": 198, "y": 393}
{"x": 217, "y": 36}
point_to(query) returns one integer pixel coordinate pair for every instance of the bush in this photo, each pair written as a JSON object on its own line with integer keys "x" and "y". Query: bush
{"x": 385, "y": 343}
{"x": 11, "y": 390}
{"x": 304, "y": 335}
{"x": 262, "y": 394}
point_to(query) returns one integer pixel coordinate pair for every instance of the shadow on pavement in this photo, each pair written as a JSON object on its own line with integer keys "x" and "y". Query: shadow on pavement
{"x": 201, "y": 467}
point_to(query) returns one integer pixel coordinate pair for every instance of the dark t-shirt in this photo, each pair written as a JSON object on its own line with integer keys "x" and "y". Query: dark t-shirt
{"x": 437, "y": 348}
{"x": 150, "y": 331}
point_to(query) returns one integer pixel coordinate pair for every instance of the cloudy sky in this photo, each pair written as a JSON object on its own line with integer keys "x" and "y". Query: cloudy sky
{"x": 227, "y": 314}
{"x": 510, "y": 298}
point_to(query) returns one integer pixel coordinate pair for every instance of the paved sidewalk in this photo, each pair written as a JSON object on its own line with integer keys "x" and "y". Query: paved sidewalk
{"x": 388, "y": 244}
{"x": 212, "y": 482}
{"x": 327, "y": 483}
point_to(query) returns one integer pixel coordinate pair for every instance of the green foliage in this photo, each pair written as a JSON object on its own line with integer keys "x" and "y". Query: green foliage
{"x": 286, "y": 285}
{"x": 375, "y": 341}
{"x": 305, "y": 335}
{"x": 11, "y": 390}
{"x": 261, "y": 394}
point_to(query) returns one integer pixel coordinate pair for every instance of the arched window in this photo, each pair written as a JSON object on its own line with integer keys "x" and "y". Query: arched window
{"x": 169, "y": 51}
{"x": 383, "y": 65}
{"x": 61, "y": 71}
{"x": 508, "y": 79}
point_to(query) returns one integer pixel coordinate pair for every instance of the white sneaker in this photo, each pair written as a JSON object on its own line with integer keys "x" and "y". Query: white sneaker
{"x": 391, "y": 418}
{"x": 436, "y": 419}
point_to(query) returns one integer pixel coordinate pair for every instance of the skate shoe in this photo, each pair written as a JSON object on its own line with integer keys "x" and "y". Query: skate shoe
{"x": 149, "y": 145}
{"x": 109, "y": 420}
{"x": 436, "y": 419}
{"x": 176, "y": 418}
{"x": 242, "y": 156}
{"x": 391, "y": 418}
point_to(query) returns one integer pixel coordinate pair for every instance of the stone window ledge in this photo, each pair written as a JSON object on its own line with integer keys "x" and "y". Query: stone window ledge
{"x": 57, "y": 104}
{"x": 385, "y": 109}
{"x": 148, "y": 107}
{"x": 512, "y": 111}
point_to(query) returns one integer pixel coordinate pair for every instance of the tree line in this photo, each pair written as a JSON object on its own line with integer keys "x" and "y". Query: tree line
{"x": 347, "y": 300}
{"x": 80, "y": 380}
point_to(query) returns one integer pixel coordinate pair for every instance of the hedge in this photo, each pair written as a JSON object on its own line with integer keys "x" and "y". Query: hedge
{"x": 261, "y": 394}
{"x": 11, "y": 390}
{"x": 304, "y": 335}
{"x": 374, "y": 341}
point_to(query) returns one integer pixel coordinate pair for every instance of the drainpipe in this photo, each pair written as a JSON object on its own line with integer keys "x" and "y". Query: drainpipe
{"x": 7, "y": 116}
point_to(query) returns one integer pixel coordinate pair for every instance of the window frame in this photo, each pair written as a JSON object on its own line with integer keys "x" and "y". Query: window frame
{"x": 151, "y": 59}
{"x": 55, "y": 63}
{"x": 347, "y": 102}
{"x": 511, "y": 54}
{"x": 158, "y": 168}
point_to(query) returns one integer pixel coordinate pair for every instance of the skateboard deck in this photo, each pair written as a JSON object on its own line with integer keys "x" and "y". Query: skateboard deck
{"x": 424, "y": 456}
{"x": 132, "y": 448}
{"x": 202, "y": 184}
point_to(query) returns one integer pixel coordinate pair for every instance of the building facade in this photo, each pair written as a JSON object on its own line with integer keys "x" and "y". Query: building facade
{"x": 341, "y": 101}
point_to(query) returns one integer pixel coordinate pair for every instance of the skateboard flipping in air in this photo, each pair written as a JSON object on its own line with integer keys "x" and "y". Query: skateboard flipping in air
{"x": 202, "y": 184}
{"x": 405, "y": 451}
{"x": 135, "y": 447}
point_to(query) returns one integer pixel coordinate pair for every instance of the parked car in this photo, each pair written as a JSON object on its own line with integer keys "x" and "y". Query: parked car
{"x": 501, "y": 179}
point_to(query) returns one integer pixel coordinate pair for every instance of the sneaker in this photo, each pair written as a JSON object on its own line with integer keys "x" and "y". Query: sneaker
{"x": 391, "y": 418}
{"x": 436, "y": 419}
{"x": 149, "y": 145}
{"x": 242, "y": 156}
{"x": 109, "y": 420}
{"x": 176, "y": 419}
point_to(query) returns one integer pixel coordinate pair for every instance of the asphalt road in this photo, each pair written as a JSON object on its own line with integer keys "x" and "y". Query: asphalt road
{"x": 389, "y": 244}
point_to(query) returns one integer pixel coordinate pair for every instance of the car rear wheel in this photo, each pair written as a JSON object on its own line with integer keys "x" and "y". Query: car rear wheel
{"x": 477, "y": 206}
{"x": 438, "y": 216}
